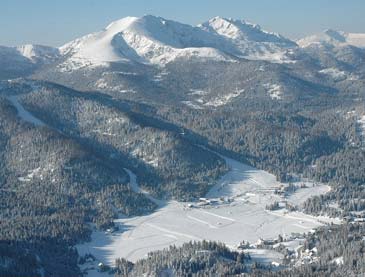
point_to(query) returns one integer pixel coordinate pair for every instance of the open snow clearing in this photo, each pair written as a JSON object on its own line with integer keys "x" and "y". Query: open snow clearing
{"x": 232, "y": 211}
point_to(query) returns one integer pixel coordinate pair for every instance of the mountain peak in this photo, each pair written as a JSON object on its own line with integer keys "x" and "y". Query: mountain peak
{"x": 127, "y": 22}
{"x": 230, "y": 20}
{"x": 153, "y": 39}
{"x": 229, "y": 27}
{"x": 122, "y": 23}
{"x": 243, "y": 30}
{"x": 335, "y": 35}
{"x": 146, "y": 39}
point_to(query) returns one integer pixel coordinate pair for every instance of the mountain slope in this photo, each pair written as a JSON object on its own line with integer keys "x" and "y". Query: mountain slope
{"x": 156, "y": 40}
{"x": 249, "y": 40}
{"x": 334, "y": 38}
{"x": 125, "y": 138}
{"x": 38, "y": 53}
{"x": 24, "y": 60}
{"x": 147, "y": 39}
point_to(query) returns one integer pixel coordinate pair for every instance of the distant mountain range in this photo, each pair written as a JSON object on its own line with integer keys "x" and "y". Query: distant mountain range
{"x": 140, "y": 55}
{"x": 155, "y": 40}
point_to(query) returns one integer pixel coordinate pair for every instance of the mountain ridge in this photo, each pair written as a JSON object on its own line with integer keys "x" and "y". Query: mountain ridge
{"x": 157, "y": 41}
{"x": 334, "y": 38}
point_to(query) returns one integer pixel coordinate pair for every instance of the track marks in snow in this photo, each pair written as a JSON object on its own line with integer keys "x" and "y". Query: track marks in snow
{"x": 172, "y": 232}
{"x": 219, "y": 216}
{"x": 202, "y": 221}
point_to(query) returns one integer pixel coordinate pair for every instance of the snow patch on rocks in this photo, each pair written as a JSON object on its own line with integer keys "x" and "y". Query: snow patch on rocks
{"x": 275, "y": 91}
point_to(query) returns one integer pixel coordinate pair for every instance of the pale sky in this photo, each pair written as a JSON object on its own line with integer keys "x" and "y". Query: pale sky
{"x": 55, "y": 22}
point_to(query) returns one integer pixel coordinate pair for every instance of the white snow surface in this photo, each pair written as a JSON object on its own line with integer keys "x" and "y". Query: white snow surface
{"x": 202, "y": 99}
{"x": 275, "y": 91}
{"x": 224, "y": 99}
{"x": 38, "y": 52}
{"x": 335, "y": 73}
{"x": 356, "y": 39}
{"x": 338, "y": 75}
{"x": 247, "y": 40}
{"x": 147, "y": 39}
{"x": 336, "y": 38}
{"x": 23, "y": 113}
{"x": 240, "y": 215}
{"x": 192, "y": 105}
{"x": 156, "y": 40}
{"x": 338, "y": 261}
{"x": 29, "y": 53}
{"x": 361, "y": 122}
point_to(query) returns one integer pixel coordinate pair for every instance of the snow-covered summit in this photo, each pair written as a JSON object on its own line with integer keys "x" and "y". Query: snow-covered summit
{"x": 334, "y": 38}
{"x": 243, "y": 30}
{"x": 155, "y": 40}
{"x": 249, "y": 40}
{"x": 148, "y": 39}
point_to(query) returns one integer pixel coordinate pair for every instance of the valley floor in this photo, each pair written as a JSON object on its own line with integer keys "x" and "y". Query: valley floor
{"x": 233, "y": 211}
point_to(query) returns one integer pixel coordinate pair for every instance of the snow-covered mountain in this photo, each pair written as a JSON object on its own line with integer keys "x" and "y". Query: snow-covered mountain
{"x": 155, "y": 40}
{"x": 30, "y": 53}
{"x": 334, "y": 38}
{"x": 11, "y": 53}
{"x": 147, "y": 39}
{"x": 151, "y": 40}
{"x": 23, "y": 60}
{"x": 38, "y": 53}
{"x": 249, "y": 40}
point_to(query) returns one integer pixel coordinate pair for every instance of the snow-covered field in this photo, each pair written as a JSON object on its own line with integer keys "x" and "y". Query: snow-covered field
{"x": 236, "y": 212}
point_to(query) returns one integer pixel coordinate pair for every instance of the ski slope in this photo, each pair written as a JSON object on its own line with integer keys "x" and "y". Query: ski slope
{"x": 238, "y": 214}
{"x": 23, "y": 113}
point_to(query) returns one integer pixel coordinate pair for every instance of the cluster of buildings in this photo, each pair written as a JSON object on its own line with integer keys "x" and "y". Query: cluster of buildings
{"x": 210, "y": 202}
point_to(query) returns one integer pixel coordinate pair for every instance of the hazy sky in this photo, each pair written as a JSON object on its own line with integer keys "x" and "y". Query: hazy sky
{"x": 55, "y": 22}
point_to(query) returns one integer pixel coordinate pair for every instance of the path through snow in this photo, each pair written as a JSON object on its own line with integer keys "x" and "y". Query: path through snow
{"x": 23, "y": 113}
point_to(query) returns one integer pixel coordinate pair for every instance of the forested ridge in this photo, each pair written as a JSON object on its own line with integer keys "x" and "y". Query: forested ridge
{"x": 61, "y": 181}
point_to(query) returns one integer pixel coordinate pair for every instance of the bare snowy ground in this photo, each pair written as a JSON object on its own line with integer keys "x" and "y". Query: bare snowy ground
{"x": 201, "y": 102}
{"x": 236, "y": 212}
{"x": 275, "y": 91}
{"x": 338, "y": 75}
{"x": 23, "y": 113}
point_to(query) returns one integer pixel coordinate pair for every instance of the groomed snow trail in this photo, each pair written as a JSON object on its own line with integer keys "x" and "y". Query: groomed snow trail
{"x": 23, "y": 113}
